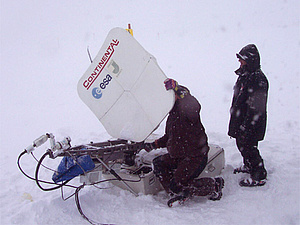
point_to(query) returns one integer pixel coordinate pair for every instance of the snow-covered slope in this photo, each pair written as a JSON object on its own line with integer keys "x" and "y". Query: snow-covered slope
{"x": 43, "y": 55}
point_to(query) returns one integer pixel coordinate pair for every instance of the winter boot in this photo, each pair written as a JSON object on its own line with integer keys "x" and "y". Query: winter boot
{"x": 259, "y": 172}
{"x": 242, "y": 169}
{"x": 217, "y": 194}
{"x": 258, "y": 176}
{"x": 179, "y": 199}
{"x": 249, "y": 182}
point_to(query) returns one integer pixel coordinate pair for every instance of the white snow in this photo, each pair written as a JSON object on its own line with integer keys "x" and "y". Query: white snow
{"x": 43, "y": 55}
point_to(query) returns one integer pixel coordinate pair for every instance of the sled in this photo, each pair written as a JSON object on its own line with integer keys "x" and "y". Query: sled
{"x": 107, "y": 161}
{"x": 145, "y": 182}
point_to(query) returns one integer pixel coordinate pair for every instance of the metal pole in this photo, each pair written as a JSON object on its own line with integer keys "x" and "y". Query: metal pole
{"x": 117, "y": 176}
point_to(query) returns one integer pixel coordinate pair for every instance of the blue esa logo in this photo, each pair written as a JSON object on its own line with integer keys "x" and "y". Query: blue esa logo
{"x": 96, "y": 92}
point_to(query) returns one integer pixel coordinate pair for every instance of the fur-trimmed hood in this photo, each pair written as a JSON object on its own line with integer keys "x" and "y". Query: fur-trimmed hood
{"x": 250, "y": 55}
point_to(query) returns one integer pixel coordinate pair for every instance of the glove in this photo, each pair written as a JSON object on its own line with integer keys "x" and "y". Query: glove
{"x": 171, "y": 84}
{"x": 149, "y": 146}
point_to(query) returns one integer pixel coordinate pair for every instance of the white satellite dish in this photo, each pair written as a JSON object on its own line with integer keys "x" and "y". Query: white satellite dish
{"x": 124, "y": 88}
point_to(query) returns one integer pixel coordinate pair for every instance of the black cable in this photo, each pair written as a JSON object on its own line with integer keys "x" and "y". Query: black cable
{"x": 38, "y": 181}
{"x": 76, "y": 193}
{"x": 42, "y": 164}
{"x": 47, "y": 182}
{"x": 32, "y": 178}
{"x": 80, "y": 209}
{"x": 18, "y": 163}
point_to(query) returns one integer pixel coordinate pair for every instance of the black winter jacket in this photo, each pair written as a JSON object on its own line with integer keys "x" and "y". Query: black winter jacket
{"x": 185, "y": 135}
{"x": 249, "y": 104}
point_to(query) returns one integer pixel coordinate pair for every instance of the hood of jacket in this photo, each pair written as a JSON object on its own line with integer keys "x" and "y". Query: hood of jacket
{"x": 250, "y": 55}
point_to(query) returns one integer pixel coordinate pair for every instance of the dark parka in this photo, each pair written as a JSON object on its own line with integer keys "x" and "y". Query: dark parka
{"x": 184, "y": 135}
{"x": 249, "y": 104}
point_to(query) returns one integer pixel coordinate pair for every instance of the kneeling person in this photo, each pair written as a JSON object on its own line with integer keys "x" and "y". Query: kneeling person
{"x": 186, "y": 142}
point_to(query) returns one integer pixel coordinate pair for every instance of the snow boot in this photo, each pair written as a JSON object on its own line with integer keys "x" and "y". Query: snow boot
{"x": 249, "y": 182}
{"x": 217, "y": 194}
{"x": 258, "y": 176}
{"x": 242, "y": 169}
{"x": 179, "y": 199}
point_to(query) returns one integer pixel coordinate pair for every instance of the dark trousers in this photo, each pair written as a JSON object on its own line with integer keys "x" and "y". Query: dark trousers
{"x": 177, "y": 175}
{"x": 252, "y": 159}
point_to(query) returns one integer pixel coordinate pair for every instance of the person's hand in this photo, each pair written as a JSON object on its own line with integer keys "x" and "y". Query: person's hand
{"x": 171, "y": 84}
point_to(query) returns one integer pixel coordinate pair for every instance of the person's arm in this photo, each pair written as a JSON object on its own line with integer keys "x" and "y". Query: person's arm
{"x": 159, "y": 143}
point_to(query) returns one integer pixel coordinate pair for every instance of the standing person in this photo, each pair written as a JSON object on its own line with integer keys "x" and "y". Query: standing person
{"x": 187, "y": 146}
{"x": 249, "y": 115}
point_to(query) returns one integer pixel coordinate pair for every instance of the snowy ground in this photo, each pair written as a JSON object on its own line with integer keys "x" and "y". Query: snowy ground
{"x": 43, "y": 55}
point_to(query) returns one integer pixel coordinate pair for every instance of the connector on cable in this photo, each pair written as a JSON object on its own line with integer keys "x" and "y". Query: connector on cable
{"x": 37, "y": 142}
{"x": 59, "y": 146}
{"x": 56, "y": 147}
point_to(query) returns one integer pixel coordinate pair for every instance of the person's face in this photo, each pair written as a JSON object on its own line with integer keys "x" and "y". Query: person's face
{"x": 243, "y": 62}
